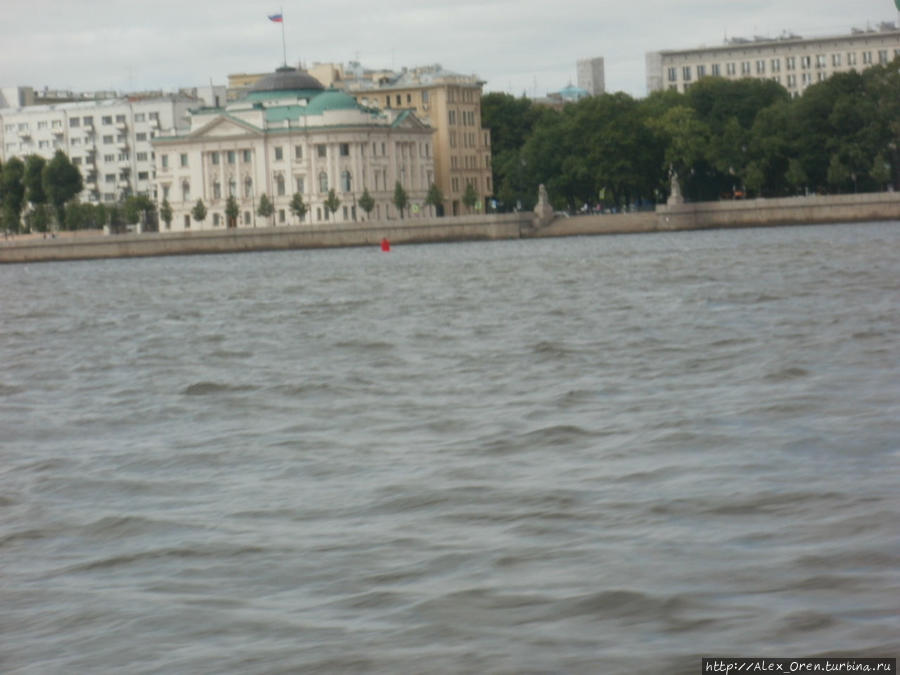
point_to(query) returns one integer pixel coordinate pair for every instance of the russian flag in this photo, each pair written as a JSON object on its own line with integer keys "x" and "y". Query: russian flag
{"x": 277, "y": 18}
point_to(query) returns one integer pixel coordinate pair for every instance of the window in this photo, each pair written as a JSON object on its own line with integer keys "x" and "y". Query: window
{"x": 184, "y": 159}
{"x": 776, "y": 65}
{"x": 279, "y": 153}
{"x": 761, "y": 67}
{"x": 185, "y": 191}
{"x": 107, "y": 119}
{"x": 143, "y": 175}
{"x": 248, "y": 187}
{"x": 409, "y": 98}
{"x": 820, "y": 61}
{"x": 806, "y": 79}
{"x": 88, "y": 120}
{"x": 109, "y": 178}
{"x": 792, "y": 80}
{"x": 281, "y": 215}
{"x": 187, "y": 221}
{"x": 232, "y": 156}
{"x": 346, "y": 181}
{"x": 164, "y": 161}
{"x": 867, "y": 58}
{"x": 120, "y": 138}
{"x": 882, "y": 56}
{"x": 232, "y": 187}
{"x": 217, "y": 190}
{"x": 246, "y": 217}
{"x": 120, "y": 118}
{"x": 246, "y": 157}
{"x": 835, "y": 59}
{"x": 731, "y": 69}
{"x": 142, "y": 136}
{"x": 399, "y": 100}
{"x": 323, "y": 182}
{"x": 790, "y": 63}
{"x": 123, "y": 156}
{"x": 109, "y": 158}
{"x": 108, "y": 140}
{"x": 215, "y": 220}
{"x": 686, "y": 73}
{"x": 299, "y": 182}
{"x": 140, "y": 117}
{"x": 214, "y": 157}
{"x": 74, "y": 121}
{"x": 745, "y": 67}
{"x": 154, "y": 116}
{"x": 451, "y": 115}
{"x": 701, "y": 71}
{"x": 345, "y": 149}
{"x": 851, "y": 58}
{"x": 805, "y": 62}
{"x": 821, "y": 77}
{"x": 321, "y": 150}
{"x": 279, "y": 185}
{"x": 298, "y": 152}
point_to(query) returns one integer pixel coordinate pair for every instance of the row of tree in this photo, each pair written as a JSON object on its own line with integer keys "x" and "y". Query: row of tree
{"x": 721, "y": 139}
{"x": 299, "y": 208}
{"x": 46, "y": 185}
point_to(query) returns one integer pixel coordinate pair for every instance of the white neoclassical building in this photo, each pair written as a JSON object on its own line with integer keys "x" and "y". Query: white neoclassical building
{"x": 290, "y": 135}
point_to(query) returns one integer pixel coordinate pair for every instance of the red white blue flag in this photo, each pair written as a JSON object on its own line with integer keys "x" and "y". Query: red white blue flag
{"x": 277, "y": 18}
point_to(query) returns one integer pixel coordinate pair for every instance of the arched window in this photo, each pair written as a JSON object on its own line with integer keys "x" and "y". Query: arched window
{"x": 346, "y": 181}
{"x": 185, "y": 191}
{"x": 248, "y": 187}
{"x": 323, "y": 182}
{"x": 279, "y": 184}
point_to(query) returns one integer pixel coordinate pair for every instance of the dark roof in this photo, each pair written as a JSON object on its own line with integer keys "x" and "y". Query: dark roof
{"x": 286, "y": 79}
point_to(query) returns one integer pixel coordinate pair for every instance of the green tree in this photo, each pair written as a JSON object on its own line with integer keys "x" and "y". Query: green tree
{"x": 332, "y": 203}
{"x": 265, "y": 209}
{"x": 39, "y": 218}
{"x": 12, "y": 193}
{"x": 470, "y": 196}
{"x": 366, "y": 203}
{"x": 796, "y": 175}
{"x": 62, "y": 182}
{"x": 880, "y": 171}
{"x": 34, "y": 180}
{"x": 435, "y": 199}
{"x": 232, "y": 211}
{"x": 401, "y": 199}
{"x": 298, "y": 206}
{"x": 198, "y": 213}
{"x": 838, "y": 173}
{"x": 137, "y": 207}
{"x": 165, "y": 212}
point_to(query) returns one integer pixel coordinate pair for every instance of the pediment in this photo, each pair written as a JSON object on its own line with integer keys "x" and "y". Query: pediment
{"x": 223, "y": 126}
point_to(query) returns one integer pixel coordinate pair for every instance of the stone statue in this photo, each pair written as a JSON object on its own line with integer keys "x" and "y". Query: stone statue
{"x": 543, "y": 212}
{"x": 675, "y": 189}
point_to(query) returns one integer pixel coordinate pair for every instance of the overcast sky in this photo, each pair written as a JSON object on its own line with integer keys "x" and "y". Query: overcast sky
{"x": 514, "y": 45}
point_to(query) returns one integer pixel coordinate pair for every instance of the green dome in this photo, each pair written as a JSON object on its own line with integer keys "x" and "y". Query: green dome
{"x": 332, "y": 99}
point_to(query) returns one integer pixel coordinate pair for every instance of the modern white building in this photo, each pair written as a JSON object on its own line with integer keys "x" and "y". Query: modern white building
{"x": 110, "y": 141}
{"x": 289, "y": 135}
{"x": 792, "y": 61}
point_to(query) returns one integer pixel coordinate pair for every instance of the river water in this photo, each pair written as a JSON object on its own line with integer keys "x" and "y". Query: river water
{"x": 586, "y": 455}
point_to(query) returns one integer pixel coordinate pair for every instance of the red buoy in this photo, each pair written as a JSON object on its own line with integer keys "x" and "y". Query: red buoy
{"x": 385, "y": 244}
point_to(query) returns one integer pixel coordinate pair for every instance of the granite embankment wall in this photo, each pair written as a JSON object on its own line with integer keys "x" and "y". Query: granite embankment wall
{"x": 694, "y": 216}
{"x": 466, "y": 228}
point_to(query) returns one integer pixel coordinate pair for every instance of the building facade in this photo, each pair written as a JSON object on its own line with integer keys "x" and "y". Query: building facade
{"x": 110, "y": 141}
{"x": 287, "y": 136}
{"x": 791, "y": 61}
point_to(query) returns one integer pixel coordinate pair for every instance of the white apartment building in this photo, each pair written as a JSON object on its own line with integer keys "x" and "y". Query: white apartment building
{"x": 792, "y": 61}
{"x": 288, "y": 136}
{"x": 110, "y": 141}
{"x": 591, "y": 75}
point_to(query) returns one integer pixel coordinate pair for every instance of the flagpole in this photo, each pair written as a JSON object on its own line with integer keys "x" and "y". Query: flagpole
{"x": 284, "y": 47}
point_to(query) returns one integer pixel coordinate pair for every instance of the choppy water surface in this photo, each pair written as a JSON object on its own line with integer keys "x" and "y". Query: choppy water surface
{"x": 590, "y": 455}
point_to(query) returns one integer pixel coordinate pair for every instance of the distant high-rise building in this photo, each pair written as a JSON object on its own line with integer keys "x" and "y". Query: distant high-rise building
{"x": 591, "y": 76}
